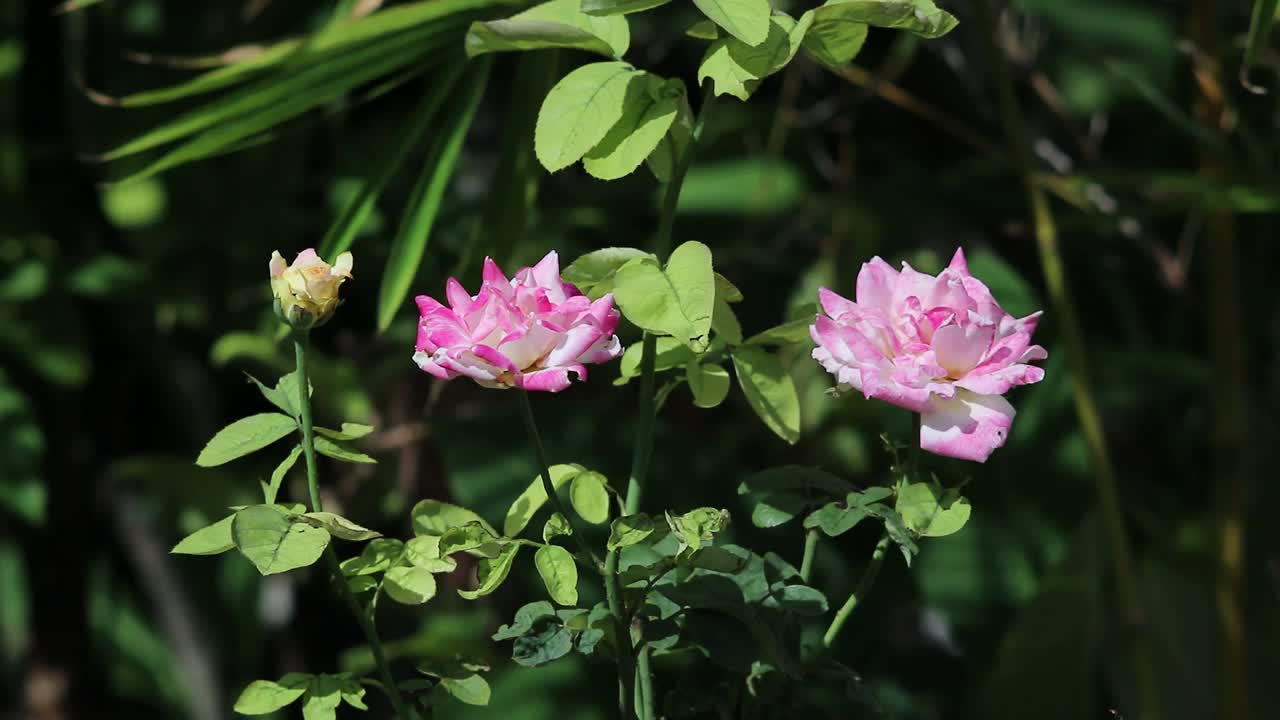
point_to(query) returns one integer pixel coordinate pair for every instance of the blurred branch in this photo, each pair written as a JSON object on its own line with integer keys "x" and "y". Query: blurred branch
{"x": 1229, "y": 423}
{"x": 1015, "y": 128}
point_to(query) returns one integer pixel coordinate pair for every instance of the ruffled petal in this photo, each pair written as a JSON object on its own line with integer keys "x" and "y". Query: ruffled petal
{"x": 551, "y": 379}
{"x": 968, "y": 426}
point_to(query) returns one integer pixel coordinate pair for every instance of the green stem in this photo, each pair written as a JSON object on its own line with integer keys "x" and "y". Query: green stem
{"x": 531, "y": 425}
{"x": 811, "y": 537}
{"x": 864, "y": 586}
{"x": 331, "y": 558}
{"x": 1046, "y": 235}
{"x": 644, "y": 676}
{"x": 643, "y": 449}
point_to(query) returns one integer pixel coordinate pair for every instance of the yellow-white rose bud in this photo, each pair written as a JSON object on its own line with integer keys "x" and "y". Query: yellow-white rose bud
{"x": 306, "y": 292}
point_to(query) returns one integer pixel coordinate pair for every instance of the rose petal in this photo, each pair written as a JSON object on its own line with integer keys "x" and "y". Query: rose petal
{"x": 968, "y": 426}
{"x": 551, "y": 379}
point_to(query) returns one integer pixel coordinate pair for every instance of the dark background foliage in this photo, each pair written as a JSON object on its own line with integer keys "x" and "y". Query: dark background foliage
{"x": 129, "y": 314}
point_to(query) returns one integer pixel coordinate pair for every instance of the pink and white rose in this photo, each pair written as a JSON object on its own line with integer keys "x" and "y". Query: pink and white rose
{"x": 940, "y": 346}
{"x": 534, "y": 331}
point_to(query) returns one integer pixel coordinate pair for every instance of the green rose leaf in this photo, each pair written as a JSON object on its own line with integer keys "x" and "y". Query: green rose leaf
{"x": 593, "y": 273}
{"x": 409, "y": 585}
{"x": 794, "y": 332}
{"x": 472, "y": 689}
{"x": 337, "y": 451}
{"x": 699, "y": 526}
{"x": 619, "y": 7}
{"x": 629, "y": 530}
{"x": 340, "y": 527}
{"x": 559, "y": 573}
{"x": 717, "y": 559}
{"x": 378, "y": 555}
{"x": 324, "y": 692}
{"x": 272, "y": 489}
{"x": 284, "y": 395}
{"x": 737, "y": 67}
{"x": 424, "y": 552}
{"x": 798, "y": 599}
{"x": 671, "y": 148}
{"x": 264, "y": 696}
{"x": 211, "y": 540}
{"x": 649, "y": 109}
{"x": 770, "y": 391}
{"x": 245, "y": 436}
{"x": 432, "y": 517}
{"x": 556, "y": 526}
{"x": 778, "y": 509}
{"x": 836, "y": 35}
{"x": 746, "y": 20}
{"x": 274, "y": 543}
{"x": 589, "y": 495}
{"x": 676, "y": 300}
{"x": 349, "y": 431}
{"x": 921, "y": 17}
{"x": 492, "y": 572}
{"x": 472, "y": 538}
{"x": 579, "y": 111}
{"x": 671, "y": 353}
{"x": 555, "y": 24}
{"x": 709, "y": 383}
{"x": 931, "y": 512}
{"x": 535, "y": 496}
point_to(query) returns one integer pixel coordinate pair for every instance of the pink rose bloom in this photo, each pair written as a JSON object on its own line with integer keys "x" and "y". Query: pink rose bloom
{"x": 529, "y": 332}
{"x": 940, "y": 346}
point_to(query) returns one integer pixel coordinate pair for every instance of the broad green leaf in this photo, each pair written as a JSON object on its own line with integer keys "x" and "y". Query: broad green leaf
{"x": 836, "y": 35}
{"x": 555, "y": 24}
{"x": 803, "y": 480}
{"x": 352, "y": 692}
{"x": 699, "y": 526}
{"x": 273, "y": 543}
{"x": 649, "y": 109}
{"x": 589, "y": 495}
{"x": 724, "y": 321}
{"x": 717, "y": 559}
{"x": 349, "y": 431}
{"x": 272, "y": 489}
{"x": 472, "y": 689}
{"x": 736, "y": 68}
{"x": 746, "y": 20}
{"x": 703, "y": 30}
{"x": 798, "y": 599}
{"x": 1260, "y": 21}
{"x": 835, "y": 519}
{"x": 556, "y": 526}
{"x": 424, "y": 551}
{"x": 323, "y": 696}
{"x": 378, "y": 555}
{"x": 559, "y": 573}
{"x": 361, "y": 583}
{"x": 342, "y": 234}
{"x": 670, "y": 353}
{"x": 492, "y": 571}
{"x": 726, "y": 290}
{"x": 338, "y": 451}
{"x": 769, "y": 390}
{"x": 794, "y": 332}
{"x": 931, "y": 512}
{"x": 709, "y": 383}
{"x": 676, "y": 301}
{"x": 409, "y": 585}
{"x": 210, "y": 540}
{"x": 473, "y": 538}
{"x": 629, "y": 530}
{"x": 245, "y": 436}
{"x": 526, "y": 617}
{"x": 410, "y": 244}
{"x": 593, "y": 273}
{"x": 778, "y": 509}
{"x": 671, "y": 149}
{"x": 580, "y": 110}
{"x": 534, "y": 497}
{"x": 921, "y": 17}
{"x": 264, "y": 696}
{"x": 284, "y": 395}
{"x": 619, "y": 7}
{"x": 432, "y": 517}
{"x": 340, "y": 527}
